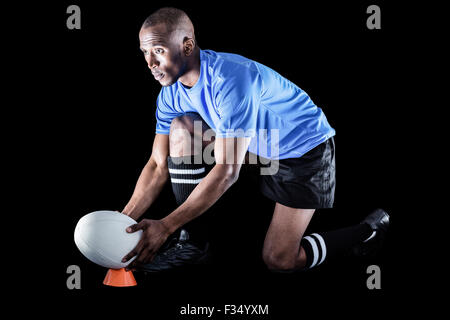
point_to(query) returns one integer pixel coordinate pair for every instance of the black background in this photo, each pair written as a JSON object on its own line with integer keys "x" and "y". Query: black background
{"x": 94, "y": 128}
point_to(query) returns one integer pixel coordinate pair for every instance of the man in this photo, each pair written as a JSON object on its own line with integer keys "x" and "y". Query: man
{"x": 238, "y": 99}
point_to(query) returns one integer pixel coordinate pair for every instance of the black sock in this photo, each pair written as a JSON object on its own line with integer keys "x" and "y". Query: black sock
{"x": 325, "y": 245}
{"x": 185, "y": 175}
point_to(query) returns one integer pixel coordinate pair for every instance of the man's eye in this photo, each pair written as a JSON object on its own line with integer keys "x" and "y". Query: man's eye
{"x": 145, "y": 52}
{"x": 159, "y": 51}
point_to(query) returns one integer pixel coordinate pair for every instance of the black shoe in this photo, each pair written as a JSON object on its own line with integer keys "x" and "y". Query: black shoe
{"x": 177, "y": 253}
{"x": 378, "y": 221}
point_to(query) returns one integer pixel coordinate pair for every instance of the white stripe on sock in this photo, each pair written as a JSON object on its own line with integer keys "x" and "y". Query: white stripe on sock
{"x": 371, "y": 236}
{"x": 186, "y": 171}
{"x": 186, "y": 181}
{"x": 315, "y": 250}
{"x": 322, "y": 245}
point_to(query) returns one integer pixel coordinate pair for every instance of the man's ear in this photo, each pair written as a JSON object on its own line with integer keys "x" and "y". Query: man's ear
{"x": 189, "y": 45}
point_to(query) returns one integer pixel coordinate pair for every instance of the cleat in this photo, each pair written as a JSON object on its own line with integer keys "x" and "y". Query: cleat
{"x": 177, "y": 253}
{"x": 378, "y": 221}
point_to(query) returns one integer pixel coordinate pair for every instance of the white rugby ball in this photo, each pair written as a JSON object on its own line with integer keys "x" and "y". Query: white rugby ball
{"x": 101, "y": 237}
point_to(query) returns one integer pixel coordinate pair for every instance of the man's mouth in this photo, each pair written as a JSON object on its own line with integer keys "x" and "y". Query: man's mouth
{"x": 158, "y": 76}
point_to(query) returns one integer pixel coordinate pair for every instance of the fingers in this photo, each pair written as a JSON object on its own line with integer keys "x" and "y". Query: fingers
{"x": 146, "y": 256}
{"x": 138, "y": 226}
{"x": 136, "y": 251}
{"x": 146, "y": 247}
{"x": 132, "y": 266}
{"x": 130, "y": 255}
{"x": 133, "y": 228}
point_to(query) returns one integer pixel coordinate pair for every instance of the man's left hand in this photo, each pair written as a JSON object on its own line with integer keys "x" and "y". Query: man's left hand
{"x": 154, "y": 235}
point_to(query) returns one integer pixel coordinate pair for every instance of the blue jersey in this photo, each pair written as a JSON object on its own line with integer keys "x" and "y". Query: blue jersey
{"x": 238, "y": 97}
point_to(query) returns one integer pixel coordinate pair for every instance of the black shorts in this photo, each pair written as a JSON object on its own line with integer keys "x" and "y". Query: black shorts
{"x": 307, "y": 182}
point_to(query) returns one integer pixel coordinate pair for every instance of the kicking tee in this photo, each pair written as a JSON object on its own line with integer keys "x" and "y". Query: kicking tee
{"x": 238, "y": 97}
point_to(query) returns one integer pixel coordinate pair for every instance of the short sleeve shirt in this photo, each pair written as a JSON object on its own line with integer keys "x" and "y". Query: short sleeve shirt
{"x": 238, "y": 97}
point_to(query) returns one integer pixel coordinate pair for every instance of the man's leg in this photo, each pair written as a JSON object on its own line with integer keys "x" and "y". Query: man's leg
{"x": 285, "y": 248}
{"x": 187, "y": 167}
{"x": 309, "y": 182}
{"x": 282, "y": 243}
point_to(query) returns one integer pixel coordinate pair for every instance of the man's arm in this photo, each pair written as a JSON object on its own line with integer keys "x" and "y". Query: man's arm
{"x": 152, "y": 179}
{"x": 229, "y": 154}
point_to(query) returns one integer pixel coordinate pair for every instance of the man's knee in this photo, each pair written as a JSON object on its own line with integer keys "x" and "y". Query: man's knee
{"x": 186, "y": 132}
{"x": 277, "y": 261}
{"x": 182, "y": 123}
{"x": 283, "y": 261}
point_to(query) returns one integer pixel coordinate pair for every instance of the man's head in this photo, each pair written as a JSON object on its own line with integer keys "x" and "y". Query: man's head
{"x": 167, "y": 40}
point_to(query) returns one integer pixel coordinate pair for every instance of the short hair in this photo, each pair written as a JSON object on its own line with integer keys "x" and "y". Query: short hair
{"x": 172, "y": 18}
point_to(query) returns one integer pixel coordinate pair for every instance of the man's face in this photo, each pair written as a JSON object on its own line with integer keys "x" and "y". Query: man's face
{"x": 163, "y": 53}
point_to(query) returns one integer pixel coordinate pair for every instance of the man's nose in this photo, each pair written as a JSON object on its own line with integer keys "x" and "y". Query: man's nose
{"x": 152, "y": 62}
